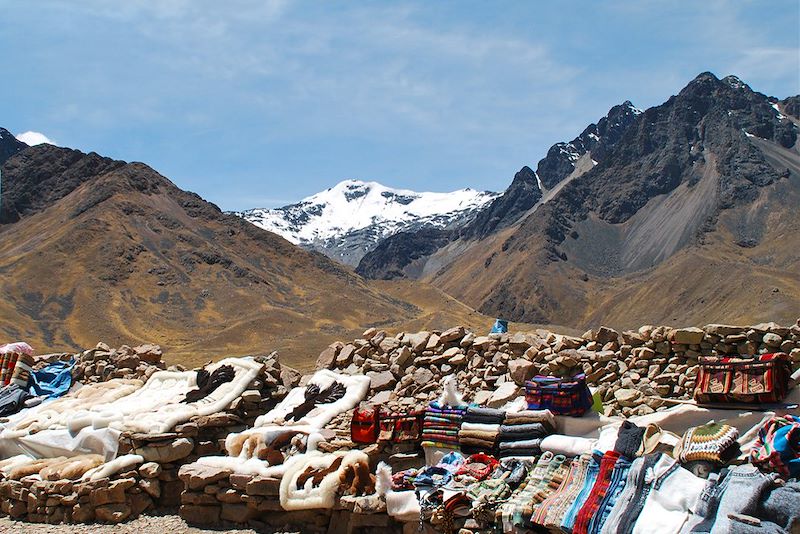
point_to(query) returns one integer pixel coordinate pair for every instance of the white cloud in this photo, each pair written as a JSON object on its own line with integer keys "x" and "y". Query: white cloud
{"x": 34, "y": 138}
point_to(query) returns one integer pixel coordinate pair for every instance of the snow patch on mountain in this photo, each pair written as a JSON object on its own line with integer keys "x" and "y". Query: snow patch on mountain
{"x": 351, "y": 218}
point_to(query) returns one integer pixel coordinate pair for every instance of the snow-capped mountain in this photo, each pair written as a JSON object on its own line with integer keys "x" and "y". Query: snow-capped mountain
{"x": 351, "y": 218}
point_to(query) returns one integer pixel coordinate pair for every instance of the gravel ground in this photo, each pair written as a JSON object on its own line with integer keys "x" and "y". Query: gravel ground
{"x": 144, "y": 524}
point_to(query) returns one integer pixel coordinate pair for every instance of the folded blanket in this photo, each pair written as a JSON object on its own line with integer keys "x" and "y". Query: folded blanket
{"x": 440, "y": 437}
{"x": 531, "y": 416}
{"x": 567, "y": 445}
{"x": 440, "y": 444}
{"x": 477, "y": 442}
{"x": 453, "y": 411}
{"x": 529, "y": 431}
{"x": 484, "y": 420}
{"x": 440, "y": 430}
{"x": 439, "y": 426}
{"x": 480, "y": 411}
{"x": 522, "y": 444}
{"x": 488, "y": 436}
{"x": 483, "y": 427}
{"x": 447, "y": 419}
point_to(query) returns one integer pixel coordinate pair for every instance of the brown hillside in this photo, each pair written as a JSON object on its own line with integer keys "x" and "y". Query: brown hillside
{"x": 125, "y": 256}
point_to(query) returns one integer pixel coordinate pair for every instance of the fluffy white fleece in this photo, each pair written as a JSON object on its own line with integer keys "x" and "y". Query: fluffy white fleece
{"x": 15, "y": 461}
{"x": 324, "y": 495}
{"x": 245, "y": 465}
{"x": 157, "y": 406}
{"x": 450, "y": 395}
{"x": 116, "y": 465}
{"x": 356, "y": 390}
{"x": 57, "y": 414}
{"x": 401, "y": 505}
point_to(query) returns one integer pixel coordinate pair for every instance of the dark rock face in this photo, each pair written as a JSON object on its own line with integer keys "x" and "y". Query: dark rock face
{"x": 507, "y": 209}
{"x": 9, "y": 145}
{"x": 661, "y": 149}
{"x": 394, "y": 254}
{"x": 520, "y": 196}
{"x": 791, "y": 106}
{"x": 40, "y": 176}
{"x": 596, "y": 138}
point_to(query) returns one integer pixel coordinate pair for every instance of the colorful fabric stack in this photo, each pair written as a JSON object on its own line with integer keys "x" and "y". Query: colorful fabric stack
{"x": 777, "y": 447}
{"x": 480, "y": 429}
{"x": 9, "y": 355}
{"x": 714, "y": 442}
{"x": 441, "y": 425}
{"x": 521, "y": 433}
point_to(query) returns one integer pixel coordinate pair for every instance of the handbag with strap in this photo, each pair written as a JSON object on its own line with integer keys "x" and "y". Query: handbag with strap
{"x": 762, "y": 379}
{"x": 563, "y": 396}
{"x": 400, "y": 428}
{"x": 364, "y": 425}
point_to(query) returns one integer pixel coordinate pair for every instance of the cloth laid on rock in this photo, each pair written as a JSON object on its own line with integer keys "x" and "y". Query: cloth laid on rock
{"x": 12, "y": 399}
{"x": 207, "y": 382}
{"x": 356, "y": 388}
{"x": 567, "y": 445}
{"x": 554, "y": 507}
{"x": 314, "y": 396}
{"x": 742, "y": 490}
{"x": 592, "y": 470}
{"x": 669, "y": 496}
{"x": 714, "y": 442}
{"x": 71, "y": 468}
{"x": 156, "y": 407}
{"x": 513, "y": 511}
{"x": 777, "y": 447}
{"x": 57, "y": 413}
{"x": 112, "y": 467}
{"x": 53, "y": 380}
{"x": 312, "y": 481}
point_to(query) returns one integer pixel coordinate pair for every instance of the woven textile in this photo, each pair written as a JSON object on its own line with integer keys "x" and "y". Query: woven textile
{"x": 777, "y": 447}
{"x": 707, "y": 442}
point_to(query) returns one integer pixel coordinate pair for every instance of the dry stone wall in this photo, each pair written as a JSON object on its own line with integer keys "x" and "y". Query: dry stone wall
{"x": 633, "y": 371}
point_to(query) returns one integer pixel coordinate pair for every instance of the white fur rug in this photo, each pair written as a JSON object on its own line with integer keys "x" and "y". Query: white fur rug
{"x": 309, "y": 497}
{"x": 356, "y": 389}
{"x": 157, "y": 406}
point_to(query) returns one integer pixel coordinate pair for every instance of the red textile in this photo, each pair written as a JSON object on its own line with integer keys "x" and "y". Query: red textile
{"x": 599, "y": 490}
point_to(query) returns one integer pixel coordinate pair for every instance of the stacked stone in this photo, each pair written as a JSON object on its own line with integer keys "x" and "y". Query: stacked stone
{"x": 155, "y": 484}
{"x": 633, "y": 371}
{"x": 110, "y": 500}
{"x": 214, "y": 496}
{"x": 104, "y": 363}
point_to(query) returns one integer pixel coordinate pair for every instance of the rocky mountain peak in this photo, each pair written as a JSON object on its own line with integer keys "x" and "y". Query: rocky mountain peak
{"x": 9, "y": 145}
{"x": 349, "y": 219}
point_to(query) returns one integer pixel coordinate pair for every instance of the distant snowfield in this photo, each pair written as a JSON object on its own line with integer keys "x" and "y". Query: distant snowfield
{"x": 354, "y": 205}
{"x": 31, "y": 138}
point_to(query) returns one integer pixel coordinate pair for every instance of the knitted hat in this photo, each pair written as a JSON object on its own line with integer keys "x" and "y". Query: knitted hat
{"x": 712, "y": 442}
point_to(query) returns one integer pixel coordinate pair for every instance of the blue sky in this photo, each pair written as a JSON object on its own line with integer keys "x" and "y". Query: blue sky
{"x": 257, "y": 104}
